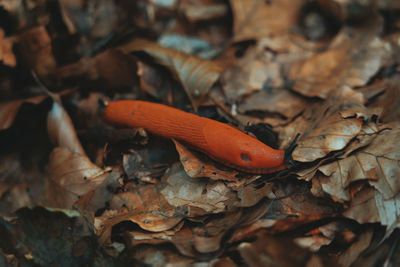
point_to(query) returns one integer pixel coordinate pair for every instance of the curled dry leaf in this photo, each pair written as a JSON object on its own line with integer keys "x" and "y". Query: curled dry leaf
{"x": 254, "y": 19}
{"x": 330, "y": 127}
{"x": 72, "y": 175}
{"x": 196, "y": 75}
{"x": 198, "y": 168}
{"x": 351, "y": 60}
{"x": 6, "y": 54}
{"x": 200, "y": 196}
{"x": 145, "y": 206}
{"x": 378, "y": 164}
{"x": 8, "y": 110}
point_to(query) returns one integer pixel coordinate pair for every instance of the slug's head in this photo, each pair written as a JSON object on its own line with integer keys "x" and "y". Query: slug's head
{"x": 241, "y": 151}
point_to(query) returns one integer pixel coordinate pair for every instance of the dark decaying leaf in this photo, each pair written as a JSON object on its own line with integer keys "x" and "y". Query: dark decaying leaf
{"x": 196, "y": 75}
{"x": 46, "y": 236}
{"x": 110, "y": 70}
{"x": 35, "y": 47}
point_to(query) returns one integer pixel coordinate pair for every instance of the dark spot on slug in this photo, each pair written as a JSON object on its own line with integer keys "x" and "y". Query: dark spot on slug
{"x": 245, "y": 157}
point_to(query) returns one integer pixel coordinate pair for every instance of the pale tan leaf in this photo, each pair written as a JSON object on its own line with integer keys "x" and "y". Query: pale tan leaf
{"x": 61, "y": 130}
{"x": 351, "y": 60}
{"x": 72, "y": 175}
{"x": 195, "y": 74}
{"x": 253, "y": 19}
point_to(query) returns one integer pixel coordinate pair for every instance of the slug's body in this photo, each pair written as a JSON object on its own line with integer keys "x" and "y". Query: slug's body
{"x": 219, "y": 141}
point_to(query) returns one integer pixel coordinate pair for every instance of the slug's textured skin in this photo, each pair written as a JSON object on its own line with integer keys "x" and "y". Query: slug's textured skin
{"x": 219, "y": 141}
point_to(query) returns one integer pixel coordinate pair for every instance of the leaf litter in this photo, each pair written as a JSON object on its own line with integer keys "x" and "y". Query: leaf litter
{"x": 122, "y": 196}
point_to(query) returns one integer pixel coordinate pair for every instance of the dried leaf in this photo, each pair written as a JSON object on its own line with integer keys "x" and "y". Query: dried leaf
{"x": 195, "y": 74}
{"x": 254, "y": 19}
{"x": 330, "y": 127}
{"x": 378, "y": 164}
{"x": 144, "y": 206}
{"x": 198, "y": 168}
{"x": 201, "y": 196}
{"x": 351, "y": 60}
{"x": 72, "y": 175}
{"x": 40, "y": 236}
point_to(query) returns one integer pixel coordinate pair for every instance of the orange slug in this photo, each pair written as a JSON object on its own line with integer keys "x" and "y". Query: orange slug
{"x": 217, "y": 140}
